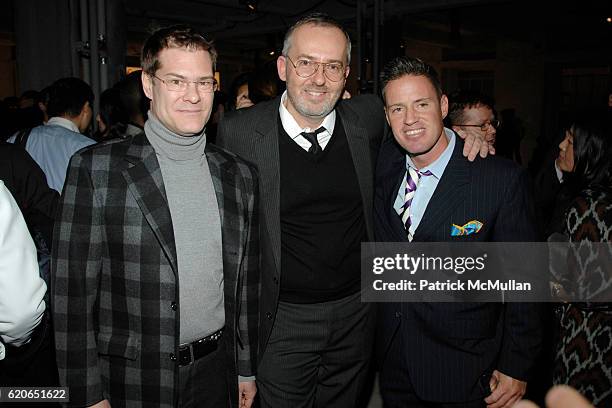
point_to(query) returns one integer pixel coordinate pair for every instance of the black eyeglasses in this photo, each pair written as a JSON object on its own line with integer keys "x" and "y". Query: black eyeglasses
{"x": 495, "y": 123}
{"x": 180, "y": 85}
{"x": 334, "y": 71}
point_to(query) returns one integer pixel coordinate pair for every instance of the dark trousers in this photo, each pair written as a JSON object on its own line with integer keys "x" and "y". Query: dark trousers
{"x": 203, "y": 383}
{"x": 318, "y": 355}
{"x": 396, "y": 388}
{"x": 32, "y": 364}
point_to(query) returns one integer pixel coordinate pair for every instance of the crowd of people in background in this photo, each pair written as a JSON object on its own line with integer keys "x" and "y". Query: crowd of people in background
{"x": 61, "y": 167}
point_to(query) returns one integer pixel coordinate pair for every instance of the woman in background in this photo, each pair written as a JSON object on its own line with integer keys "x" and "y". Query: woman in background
{"x": 584, "y": 351}
{"x": 239, "y": 94}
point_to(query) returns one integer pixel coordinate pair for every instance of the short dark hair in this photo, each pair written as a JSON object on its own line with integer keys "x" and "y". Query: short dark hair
{"x": 43, "y": 96}
{"x": 320, "y": 20}
{"x": 132, "y": 96}
{"x": 29, "y": 94}
{"x": 111, "y": 108}
{"x": 264, "y": 84}
{"x": 176, "y": 36}
{"x": 400, "y": 66}
{"x": 463, "y": 99}
{"x": 67, "y": 96}
{"x": 592, "y": 134}
{"x": 239, "y": 80}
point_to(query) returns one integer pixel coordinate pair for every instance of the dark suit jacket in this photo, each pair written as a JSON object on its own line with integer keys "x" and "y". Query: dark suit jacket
{"x": 253, "y": 134}
{"x": 115, "y": 274}
{"x": 450, "y": 346}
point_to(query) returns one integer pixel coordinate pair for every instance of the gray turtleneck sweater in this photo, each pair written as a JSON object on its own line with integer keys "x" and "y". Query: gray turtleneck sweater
{"x": 197, "y": 228}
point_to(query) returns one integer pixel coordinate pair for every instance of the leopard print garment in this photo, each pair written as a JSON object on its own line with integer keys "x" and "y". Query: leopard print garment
{"x": 584, "y": 351}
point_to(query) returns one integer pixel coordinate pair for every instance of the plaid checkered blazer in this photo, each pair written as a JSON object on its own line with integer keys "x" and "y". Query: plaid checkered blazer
{"x": 115, "y": 276}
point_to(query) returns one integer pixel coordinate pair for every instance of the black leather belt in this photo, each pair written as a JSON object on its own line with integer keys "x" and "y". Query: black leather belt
{"x": 188, "y": 353}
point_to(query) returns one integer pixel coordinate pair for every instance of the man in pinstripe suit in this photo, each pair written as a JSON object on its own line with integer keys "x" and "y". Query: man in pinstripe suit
{"x": 155, "y": 261}
{"x": 447, "y": 354}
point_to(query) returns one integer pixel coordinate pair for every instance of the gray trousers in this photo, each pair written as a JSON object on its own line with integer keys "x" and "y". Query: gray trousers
{"x": 318, "y": 354}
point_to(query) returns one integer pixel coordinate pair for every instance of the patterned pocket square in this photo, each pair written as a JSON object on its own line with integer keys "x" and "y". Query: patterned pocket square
{"x": 469, "y": 228}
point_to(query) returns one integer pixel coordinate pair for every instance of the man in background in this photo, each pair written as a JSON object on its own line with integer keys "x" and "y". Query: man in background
{"x": 473, "y": 112}
{"x": 52, "y": 145}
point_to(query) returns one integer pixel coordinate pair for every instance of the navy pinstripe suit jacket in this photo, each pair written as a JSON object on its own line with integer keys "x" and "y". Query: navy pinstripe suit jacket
{"x": 453, "y": 347}
{"x": 115, "y": 275}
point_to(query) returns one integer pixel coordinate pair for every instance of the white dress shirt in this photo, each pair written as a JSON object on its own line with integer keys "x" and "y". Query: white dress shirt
{"x": 63, "y": 122}
{"x": 294, "y": 130}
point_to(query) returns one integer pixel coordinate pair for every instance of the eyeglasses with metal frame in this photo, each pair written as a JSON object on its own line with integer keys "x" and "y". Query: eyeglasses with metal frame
{"x": 180, "y": 85}
{"x": 334, "y": 71}
{"x": 495, "y": 123}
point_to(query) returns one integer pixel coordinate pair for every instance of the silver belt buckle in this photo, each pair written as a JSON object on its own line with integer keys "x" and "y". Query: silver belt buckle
{"x": 191, "y": 355}
{"x": 189, "y": 347}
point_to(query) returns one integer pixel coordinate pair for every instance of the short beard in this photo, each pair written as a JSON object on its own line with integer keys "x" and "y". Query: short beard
{"x": 321, "y": 113}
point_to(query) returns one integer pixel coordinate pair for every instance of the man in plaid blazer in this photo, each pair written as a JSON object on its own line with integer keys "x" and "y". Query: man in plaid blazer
{"x": 140, "y": 215}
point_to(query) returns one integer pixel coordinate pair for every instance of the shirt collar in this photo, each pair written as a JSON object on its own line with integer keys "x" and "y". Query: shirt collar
{"x": 63, "y": 122}
{"x": 291, "y": 126}
{"x": 437, "y": 167}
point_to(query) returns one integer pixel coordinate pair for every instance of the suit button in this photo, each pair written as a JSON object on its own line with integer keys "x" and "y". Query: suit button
{"x": 398, "y": 314}
{"x": 173, "y": 306}
{"x": 269, "y": 315}
{"x": 275, "y": 279}
{"x": 172, "y": 357}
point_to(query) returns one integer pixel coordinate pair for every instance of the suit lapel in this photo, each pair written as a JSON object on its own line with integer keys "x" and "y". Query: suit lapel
{"x": 221, "y": 182}
{"x": 225, "y": 187}
{"x": 267, "y": 152}
{"x": 397, "y": 162}
{"x": 395, "y": 221}
{"x": 357, "y": 138}
{"x": 144, "y": 181}
{"x": 449, "y": 194}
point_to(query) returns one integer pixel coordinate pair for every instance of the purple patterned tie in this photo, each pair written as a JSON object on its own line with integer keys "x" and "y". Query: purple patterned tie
{"x": 412, "y": 180}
